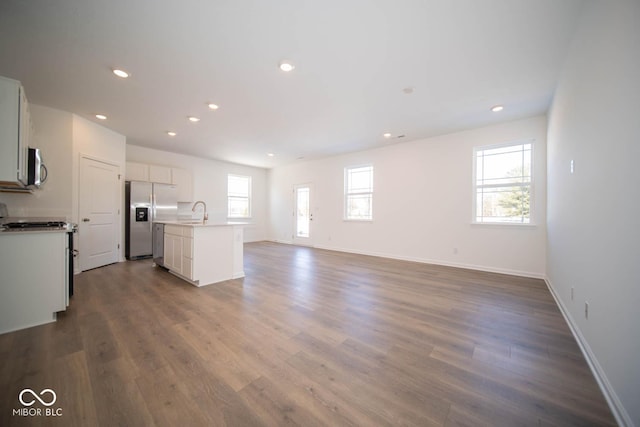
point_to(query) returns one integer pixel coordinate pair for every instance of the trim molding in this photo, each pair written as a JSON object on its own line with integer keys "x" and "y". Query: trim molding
{"x": 620, "y": 414}
{"x": 430, "y": 261}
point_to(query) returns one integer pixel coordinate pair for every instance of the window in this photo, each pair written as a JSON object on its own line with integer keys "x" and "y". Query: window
{"x": 503, "y": 184}
{"x": 358, "y": 190}
{"x": 239, "y": 196}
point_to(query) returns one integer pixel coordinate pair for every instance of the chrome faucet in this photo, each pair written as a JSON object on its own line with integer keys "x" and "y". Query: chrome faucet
{"x": 205, "y": 217}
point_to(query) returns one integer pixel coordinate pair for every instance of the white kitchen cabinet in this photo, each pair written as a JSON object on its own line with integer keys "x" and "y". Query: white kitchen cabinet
{"x": 137, "y": 172}
{"x": 160, "y": 174}
{"x": 32, "y": 291}
{"x": 15, "y": 133}
{"x": 183, "y": 181}
{"x": 173, "y": 248}
{"x": 178, "y": 250}
{"x": 181, "y": 178}
{"x": 187, "y": 257}
{"x": 203, "y": 254}
{"x": 25, "y": 136}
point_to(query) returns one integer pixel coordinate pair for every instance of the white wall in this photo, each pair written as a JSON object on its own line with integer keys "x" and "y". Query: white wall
{"x": 53, "y": 130}
{"x": 210, "y": 185}
{"x": 593, "y": 227}
{"x": 422, "y": 203}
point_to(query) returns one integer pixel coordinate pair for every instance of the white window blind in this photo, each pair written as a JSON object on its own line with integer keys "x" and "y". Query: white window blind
{"x": 503, "y": 183}
{"x": 239, "y": 196}
{"x": 359, "y": 193}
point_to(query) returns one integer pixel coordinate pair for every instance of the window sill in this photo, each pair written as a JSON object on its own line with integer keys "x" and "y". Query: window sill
{"x": 356, "y": 220}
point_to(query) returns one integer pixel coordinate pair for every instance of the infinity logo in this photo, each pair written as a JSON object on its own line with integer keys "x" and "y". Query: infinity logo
{"x": 33, "y": 393}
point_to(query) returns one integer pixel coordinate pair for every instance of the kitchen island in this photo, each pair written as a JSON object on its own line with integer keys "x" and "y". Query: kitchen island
{"x": 204, "y": 253}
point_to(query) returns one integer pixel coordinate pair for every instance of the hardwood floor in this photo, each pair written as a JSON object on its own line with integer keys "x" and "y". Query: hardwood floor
{"x": 309, "y": 337}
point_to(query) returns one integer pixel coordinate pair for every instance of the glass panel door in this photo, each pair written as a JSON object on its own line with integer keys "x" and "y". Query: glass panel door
{"x": 303, "y": 216}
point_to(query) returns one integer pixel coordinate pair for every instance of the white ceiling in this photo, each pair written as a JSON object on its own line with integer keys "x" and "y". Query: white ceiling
{"x": 353, "y": 59}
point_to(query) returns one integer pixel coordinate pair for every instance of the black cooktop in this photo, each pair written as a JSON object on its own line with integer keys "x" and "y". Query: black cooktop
{"x": 34, "y": 224}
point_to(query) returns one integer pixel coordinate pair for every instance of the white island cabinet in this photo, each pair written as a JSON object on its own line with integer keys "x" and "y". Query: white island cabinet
{"x": 203, "y": 254}
{"x": 33, "y": 278}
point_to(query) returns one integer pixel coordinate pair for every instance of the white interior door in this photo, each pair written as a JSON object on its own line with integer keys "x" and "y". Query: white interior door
{"x": 98, "y": 228}
{"x": 302, "y": 215}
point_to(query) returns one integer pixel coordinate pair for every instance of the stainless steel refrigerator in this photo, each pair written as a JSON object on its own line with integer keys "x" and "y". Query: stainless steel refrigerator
{"x": 146, "y": 202}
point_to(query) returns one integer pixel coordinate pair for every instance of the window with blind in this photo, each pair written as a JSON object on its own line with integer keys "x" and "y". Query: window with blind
{"x": 503, "y": 183}
{"x": 239, "y": 196}
{"x": 358, "y": 193}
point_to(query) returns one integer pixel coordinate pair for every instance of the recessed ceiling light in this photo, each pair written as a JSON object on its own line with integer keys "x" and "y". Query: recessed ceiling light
{"x": 270, "y": 154}
{"x": 286, "y": 66}
{"x": 213, "y": 106}
{"x": 497, "y": 108}
{"x": 101, "y": 117}
{"x": 193, "y": 119}
{"x": 120, "y": 73}
{"x": 171, "y": 133}
{"x": 387, "y": 135}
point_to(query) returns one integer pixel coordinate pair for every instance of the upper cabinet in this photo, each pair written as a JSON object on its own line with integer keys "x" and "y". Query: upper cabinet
{"x": 25, "y": 136}
{"x": 184, "y": 181}
{"x": 181, "y": 178}
{"x": 136, "y": 172}
{"x": 160, "y": 174}
{"x": 15, "y": 131}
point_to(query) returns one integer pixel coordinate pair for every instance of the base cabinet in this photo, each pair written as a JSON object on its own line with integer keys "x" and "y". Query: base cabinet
{"x": 173, "y": 252}
{"x": 178, "y": 250}
{"x": 187, "y": 254}
{"x": 32, "y": 291}
{"x": 203, "y": 255}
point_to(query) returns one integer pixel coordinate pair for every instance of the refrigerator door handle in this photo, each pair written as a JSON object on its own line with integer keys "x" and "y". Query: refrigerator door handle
{"x": 152, "y": 203}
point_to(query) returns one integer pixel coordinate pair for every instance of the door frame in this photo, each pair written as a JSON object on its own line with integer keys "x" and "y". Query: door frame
{"x": 119, "y": 202}
{"x": 303, "y": 241}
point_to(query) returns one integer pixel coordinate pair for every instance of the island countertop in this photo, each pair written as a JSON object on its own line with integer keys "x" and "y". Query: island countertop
{"x": 201, "y": 224}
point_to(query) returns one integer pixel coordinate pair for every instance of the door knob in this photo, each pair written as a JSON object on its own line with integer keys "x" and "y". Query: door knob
{"x": 85, "y": 220}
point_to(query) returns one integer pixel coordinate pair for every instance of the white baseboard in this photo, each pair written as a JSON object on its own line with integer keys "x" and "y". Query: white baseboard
{"x": 286, "y": 242}
{"x": 439, "y": 262}
{"x": 425, "y": 260}
{"x": 620, "y": 414}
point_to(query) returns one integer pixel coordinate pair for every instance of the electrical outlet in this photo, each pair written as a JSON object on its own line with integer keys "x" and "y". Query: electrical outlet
{"x": 586, "y": 310}
{"x": 572, "y": 293}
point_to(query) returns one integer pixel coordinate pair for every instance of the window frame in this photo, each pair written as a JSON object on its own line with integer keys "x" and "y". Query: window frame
{"x": 348, "y": 193}
{"x": 248, "y": 197}
{"x": 531, "y": 184}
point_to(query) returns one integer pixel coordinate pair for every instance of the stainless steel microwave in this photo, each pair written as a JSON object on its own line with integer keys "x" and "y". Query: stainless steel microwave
{"x": 36, "y": 170}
